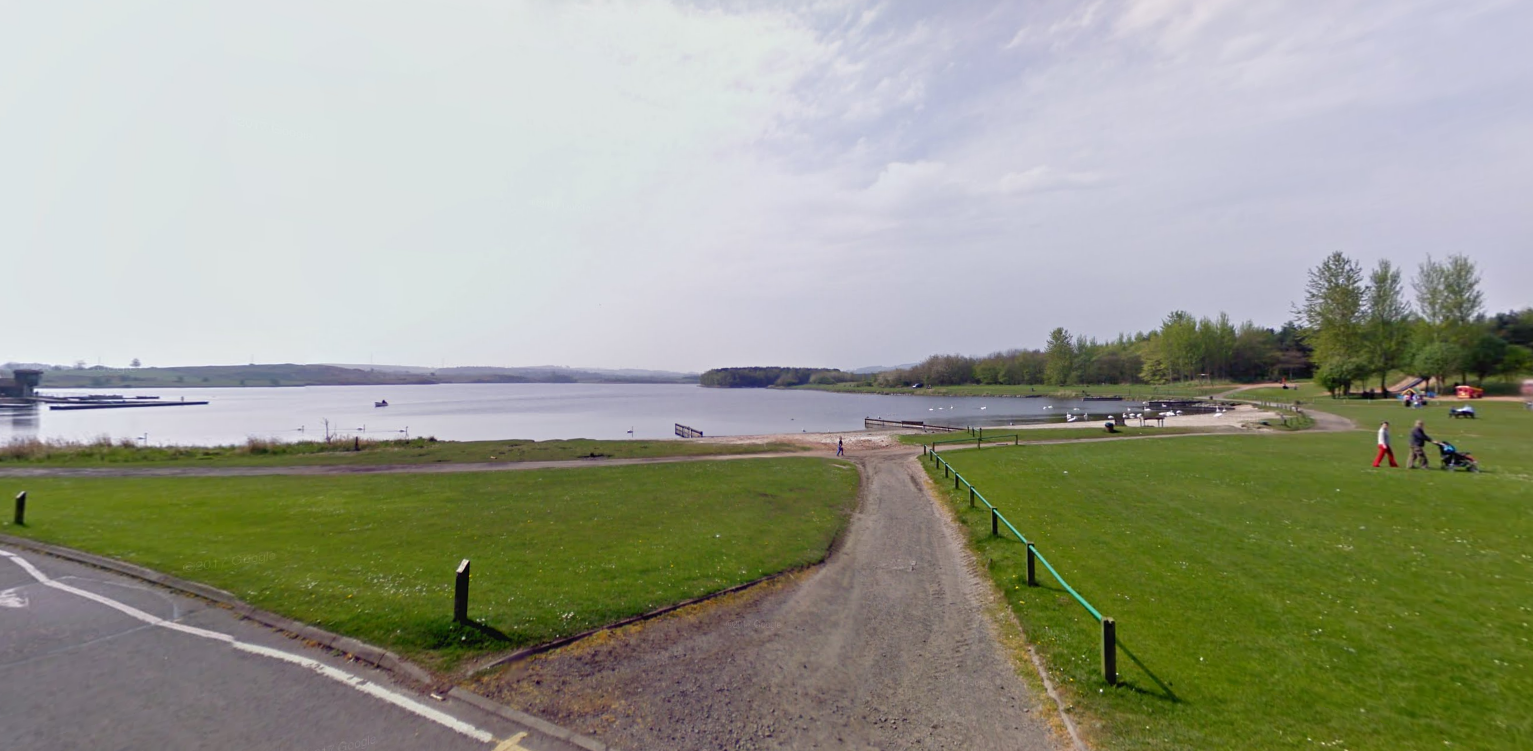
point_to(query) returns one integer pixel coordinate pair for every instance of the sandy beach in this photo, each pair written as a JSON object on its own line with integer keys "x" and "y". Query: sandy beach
{"x": 1241, "y": 417}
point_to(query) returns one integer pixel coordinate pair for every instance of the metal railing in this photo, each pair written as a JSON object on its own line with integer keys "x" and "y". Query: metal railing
{"x": 686, "y": 432}
{"x": 1034, "y": 557}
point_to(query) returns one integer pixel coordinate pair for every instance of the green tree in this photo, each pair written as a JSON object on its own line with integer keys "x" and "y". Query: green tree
{"x": 1181, "y": 351}
{"x": 1485, "y": 355}
{"x": 1387, "y": 322}
{"x": 1436, "y": 360}
{"x": 1332, "y": 313}
{"x": 1449, "y": 299}
{"x": 1518, "y": 360}
{"x": 1340, "y": 374}
{"x": 1060, "y": 354}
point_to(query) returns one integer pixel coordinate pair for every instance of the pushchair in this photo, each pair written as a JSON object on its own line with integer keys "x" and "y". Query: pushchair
{"x": 1453, "y": 459}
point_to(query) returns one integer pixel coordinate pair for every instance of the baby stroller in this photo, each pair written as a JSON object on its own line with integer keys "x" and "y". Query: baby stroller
{"x": 1453, "y": 459}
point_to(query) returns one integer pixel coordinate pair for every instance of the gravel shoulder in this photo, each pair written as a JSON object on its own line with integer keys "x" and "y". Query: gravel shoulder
{"x": 886, "y": 646}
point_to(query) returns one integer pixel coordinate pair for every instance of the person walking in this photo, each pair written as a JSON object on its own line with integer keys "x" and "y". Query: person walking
{"x": 1384, "y": 449}
{"x": 839, "y": 449}
{"x": 1419, "y": 441}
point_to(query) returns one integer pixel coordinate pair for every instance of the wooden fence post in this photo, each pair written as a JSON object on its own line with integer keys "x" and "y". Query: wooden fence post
{"x": 995, "y": 522}
{"x": 1032, "y": 566}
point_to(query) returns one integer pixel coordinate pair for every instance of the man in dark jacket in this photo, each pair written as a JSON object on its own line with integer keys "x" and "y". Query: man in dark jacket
{"x": 1419, "y": 441}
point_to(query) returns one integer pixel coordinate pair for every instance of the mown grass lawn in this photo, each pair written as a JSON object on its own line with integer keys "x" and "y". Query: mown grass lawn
{"x": 1280, "y": 592}
{"x": 1130, "y": 390}
{"x": 345, "y": 452}
{"x": 554, "y": 552}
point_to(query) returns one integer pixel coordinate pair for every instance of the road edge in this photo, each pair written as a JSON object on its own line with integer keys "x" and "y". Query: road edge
{"x": 353, "y": 648}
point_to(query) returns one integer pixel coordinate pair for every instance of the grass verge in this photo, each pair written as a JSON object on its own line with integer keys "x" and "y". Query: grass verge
{"x": 1276, "y": 592}
{"x": 555, "y": 552}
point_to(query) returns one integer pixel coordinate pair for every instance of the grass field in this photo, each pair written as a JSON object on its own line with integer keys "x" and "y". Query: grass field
{"x": 554, "y": 552}
{"x": 1045, "y": 434}
{"x": 1279, "y": 592}
{"x": 1135, "y": 391}
{"x": 260, "y": 453}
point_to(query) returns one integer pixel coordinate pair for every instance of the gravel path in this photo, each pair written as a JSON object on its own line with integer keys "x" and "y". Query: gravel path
{"x": 884, "y": 647}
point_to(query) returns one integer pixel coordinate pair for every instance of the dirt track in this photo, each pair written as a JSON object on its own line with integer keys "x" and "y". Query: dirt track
{"x": 886, "y": 646}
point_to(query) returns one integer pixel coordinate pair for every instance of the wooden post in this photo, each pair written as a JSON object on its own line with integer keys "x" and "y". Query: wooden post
{"x": 1032, "y": 566}
{"x": 955, "y": 480}
{"x": 971, "y": 496}
{"x": 1110, "y": 651}
{"x": 460, "y": 595}
{"x": 21, "y": 509}
{"x": 944, "y": 469}
{"x": 995, "y": 522}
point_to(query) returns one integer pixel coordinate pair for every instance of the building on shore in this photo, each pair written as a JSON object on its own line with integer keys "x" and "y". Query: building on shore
{"x": 21, "y": 385}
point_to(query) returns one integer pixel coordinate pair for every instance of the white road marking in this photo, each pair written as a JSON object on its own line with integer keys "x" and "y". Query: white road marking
{"x": 514, "y": 743}
{"x": 11, "y": 598}
{"x": 336, "y": 674}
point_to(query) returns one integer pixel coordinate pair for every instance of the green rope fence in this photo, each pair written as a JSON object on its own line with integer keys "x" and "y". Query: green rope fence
{"x": 1109, "y": 626}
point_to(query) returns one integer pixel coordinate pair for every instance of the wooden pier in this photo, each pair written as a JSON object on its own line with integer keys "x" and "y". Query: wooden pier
{"x": 878, "y": 422}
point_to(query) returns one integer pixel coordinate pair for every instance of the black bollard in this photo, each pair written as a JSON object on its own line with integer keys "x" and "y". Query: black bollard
{"x": 460, "y": 595}
{"x": 1110, "y": 651}
{"x": 1032, "y": 563}
{"x": 21, "y": 509}
{"x": 995, "y": 522}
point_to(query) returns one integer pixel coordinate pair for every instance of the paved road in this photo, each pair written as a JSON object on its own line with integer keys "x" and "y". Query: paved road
{"x": 142, "y": 668}
{"x": 886, "y": 646}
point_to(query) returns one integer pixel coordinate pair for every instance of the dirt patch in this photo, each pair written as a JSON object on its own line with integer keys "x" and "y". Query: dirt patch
{"x": 885, "y": 646}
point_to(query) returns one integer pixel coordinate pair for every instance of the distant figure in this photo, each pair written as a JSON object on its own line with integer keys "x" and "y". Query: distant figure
{"x": 1384, "y": 449}
{"x": 1419, "y": 441}
{"x": 1110, "y": 427}
{"x": 839, "y": 448}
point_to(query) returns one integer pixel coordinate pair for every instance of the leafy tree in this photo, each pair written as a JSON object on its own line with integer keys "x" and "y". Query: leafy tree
{"x": 1340, "y": 374}
{"x": 1255, "y": 353}
{"x": 1515, "y": 326}
{"x": 1332, "y": 313}
{"x": 1436, "y": 360}
{"x": 1449, "y": 299}
{"x": 1387, "y": 322}
{"x": 1485, "y": 356}
{"x": 1518, "y": 360}
{"x": 1060, "y": 354}
{"x": 1181, "y": 350}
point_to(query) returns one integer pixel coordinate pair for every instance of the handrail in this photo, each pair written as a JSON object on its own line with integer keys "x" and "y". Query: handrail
{"x": 1109, "y": 626}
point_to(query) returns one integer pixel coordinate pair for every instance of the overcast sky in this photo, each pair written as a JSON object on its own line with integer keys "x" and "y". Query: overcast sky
{"x": 683, "y": 186}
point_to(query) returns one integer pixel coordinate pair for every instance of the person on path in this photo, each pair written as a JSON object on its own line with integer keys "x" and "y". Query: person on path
{"x": 839, "y": 448}
{"x": 1384, "y": 449}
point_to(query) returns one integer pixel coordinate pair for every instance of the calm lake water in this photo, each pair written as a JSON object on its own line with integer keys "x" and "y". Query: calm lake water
{"x": 471, "y": 412}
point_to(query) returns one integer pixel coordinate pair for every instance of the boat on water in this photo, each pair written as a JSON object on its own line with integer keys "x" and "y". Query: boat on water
{"x": 383, "y": 403}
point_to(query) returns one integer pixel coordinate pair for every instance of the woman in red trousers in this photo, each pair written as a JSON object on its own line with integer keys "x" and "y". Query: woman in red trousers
{"x": 1384, "y": 449}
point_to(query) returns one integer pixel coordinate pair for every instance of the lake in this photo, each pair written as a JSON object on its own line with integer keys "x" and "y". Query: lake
{"x": 539, "y": 411}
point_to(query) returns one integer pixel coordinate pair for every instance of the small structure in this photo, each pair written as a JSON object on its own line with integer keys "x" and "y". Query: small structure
{"x": 1468, "y": 392}
{"x": 22, "y": 384}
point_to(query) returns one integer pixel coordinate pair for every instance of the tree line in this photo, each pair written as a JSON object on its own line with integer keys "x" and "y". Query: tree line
{"x": 1364, "y": 326}
{"x": 1351, "y": 327}
{"x": 762, "y": 377}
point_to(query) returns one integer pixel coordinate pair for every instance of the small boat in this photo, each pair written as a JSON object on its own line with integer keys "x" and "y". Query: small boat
{"x": 383, "y": 403}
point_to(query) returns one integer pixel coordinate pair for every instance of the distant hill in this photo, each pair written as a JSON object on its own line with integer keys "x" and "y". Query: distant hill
{"x": 872, "y": 369}
{"x": 290, "y": 374}
{"x": 538, "y": 373}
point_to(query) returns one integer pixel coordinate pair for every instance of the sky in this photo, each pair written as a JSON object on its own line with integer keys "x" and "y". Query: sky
{"x": 676, "y": 185}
